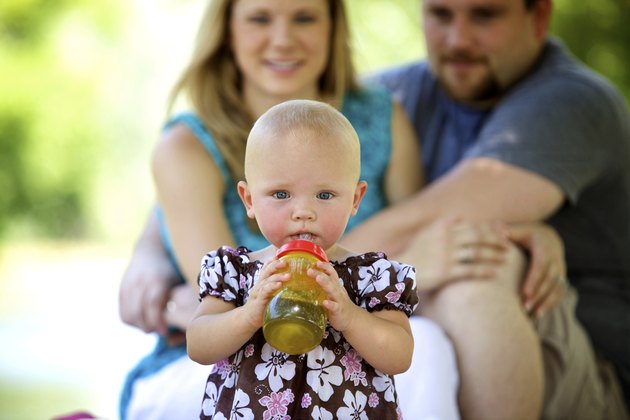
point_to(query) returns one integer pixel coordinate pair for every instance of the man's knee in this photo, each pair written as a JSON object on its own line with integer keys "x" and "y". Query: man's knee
{"x": 462, "y": 298}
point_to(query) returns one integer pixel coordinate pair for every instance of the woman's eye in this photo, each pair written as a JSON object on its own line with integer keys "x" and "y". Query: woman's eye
{"x": 304, "y": 18}
{"x": 281, "y": 195}
{"x": 260, "y": 19}
{"x": 325, "y": 195}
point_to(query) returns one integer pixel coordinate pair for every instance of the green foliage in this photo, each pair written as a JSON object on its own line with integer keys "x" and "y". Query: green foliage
{"x": 385, "y": 32}
{"x": 598, "y": 33}
{"x": 48, "y": 144}
{"x": 72, "y": 122}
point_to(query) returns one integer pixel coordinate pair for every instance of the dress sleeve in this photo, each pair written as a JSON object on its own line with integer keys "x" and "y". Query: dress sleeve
{"x": 385, "y": 284}
{"x": 219, "y": 276}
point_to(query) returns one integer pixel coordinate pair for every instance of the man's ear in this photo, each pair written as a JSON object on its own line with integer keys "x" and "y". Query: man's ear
{"x": 358, "y": 196}
{"x": 542, "y": 15}
{"x": 246, "y": 198}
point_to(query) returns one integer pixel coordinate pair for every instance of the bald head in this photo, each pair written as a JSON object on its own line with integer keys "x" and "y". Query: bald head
{"x": 304, "y": 128}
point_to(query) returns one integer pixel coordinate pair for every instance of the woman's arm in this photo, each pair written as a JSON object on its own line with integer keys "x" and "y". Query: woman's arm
{"x": 404, "y": 175}
{"x": 190, "y": 190}
{"x": 147, "y": 281}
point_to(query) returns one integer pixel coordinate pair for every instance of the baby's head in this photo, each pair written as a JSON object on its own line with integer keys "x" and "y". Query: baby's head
{"x": 302, "y": 167}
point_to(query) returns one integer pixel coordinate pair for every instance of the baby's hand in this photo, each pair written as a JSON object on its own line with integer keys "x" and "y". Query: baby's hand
{"x": 341, "y": 309}
{"x": 269, "y": 281}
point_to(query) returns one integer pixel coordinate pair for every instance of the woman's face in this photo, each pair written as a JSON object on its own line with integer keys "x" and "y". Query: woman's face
{"x": 281, "y": 47}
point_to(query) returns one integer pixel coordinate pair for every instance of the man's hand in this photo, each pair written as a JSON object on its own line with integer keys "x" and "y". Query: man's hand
{"x": 545, "y": 282}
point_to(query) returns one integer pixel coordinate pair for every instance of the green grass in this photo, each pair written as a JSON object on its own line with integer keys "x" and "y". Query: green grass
{"x": 40, "y": 401}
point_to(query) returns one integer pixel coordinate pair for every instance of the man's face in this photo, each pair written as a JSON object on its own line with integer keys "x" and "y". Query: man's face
{"x": 479, "y": 48}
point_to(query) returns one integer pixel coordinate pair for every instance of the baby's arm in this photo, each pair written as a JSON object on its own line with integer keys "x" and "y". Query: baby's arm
{"x": 382, "y": 338}
{"x": 218, "y": 328}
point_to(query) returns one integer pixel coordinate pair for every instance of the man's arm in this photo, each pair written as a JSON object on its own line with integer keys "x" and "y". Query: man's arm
{"x": 479, "y": 189}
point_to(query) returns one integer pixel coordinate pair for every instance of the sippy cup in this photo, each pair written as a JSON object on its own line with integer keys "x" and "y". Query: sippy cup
{"x": 295, "y": 320}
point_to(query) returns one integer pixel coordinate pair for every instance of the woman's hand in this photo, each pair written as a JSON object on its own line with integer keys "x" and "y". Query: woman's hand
{"x": 453, "y": 250}
{"x": 147, "y": 282}
{"x": 545, "y": 282}
{"x": 181, "y": 305}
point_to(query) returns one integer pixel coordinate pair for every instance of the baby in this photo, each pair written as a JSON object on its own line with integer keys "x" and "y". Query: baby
{"x": 302, "y": 168}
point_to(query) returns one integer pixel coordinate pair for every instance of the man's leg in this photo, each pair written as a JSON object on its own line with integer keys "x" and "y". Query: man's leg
{"x": 498, "y": 352}
{"x": 578, "y": 385}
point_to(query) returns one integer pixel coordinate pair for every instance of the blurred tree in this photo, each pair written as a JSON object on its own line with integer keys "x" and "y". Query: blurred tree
{"x": 598, "y": 33}
{"x": 48, "y": 145}
{"x": 68, "y": 130}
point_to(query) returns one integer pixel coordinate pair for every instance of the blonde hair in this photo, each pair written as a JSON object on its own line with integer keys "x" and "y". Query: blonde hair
{"x": 212, "y": 82}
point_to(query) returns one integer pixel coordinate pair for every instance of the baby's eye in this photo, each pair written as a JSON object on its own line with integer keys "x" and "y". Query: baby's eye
{"x": 281, "y": 195}
{"x": 325, "y": 195}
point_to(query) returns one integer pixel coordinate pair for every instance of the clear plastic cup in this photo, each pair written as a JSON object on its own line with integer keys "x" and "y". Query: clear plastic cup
{"x": 295, "y": 319}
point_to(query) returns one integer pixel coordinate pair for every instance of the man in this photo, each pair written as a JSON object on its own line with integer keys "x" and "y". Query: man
{"x": 514, "y": 129}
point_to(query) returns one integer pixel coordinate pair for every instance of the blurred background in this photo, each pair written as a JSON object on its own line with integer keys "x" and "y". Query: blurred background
{"x": 83, "y": 86}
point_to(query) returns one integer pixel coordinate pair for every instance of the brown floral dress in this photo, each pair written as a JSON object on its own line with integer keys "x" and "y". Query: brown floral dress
{"x": 331, "y": 381}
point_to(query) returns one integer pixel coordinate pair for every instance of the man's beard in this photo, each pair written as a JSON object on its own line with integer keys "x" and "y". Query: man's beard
{"x": 488, "y": 90}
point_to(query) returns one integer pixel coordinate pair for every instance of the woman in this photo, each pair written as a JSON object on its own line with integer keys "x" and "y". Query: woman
{"x": 249, "y": 55}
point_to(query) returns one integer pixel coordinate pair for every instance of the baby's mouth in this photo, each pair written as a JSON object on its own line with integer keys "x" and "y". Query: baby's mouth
{"x": 305, "y": 236}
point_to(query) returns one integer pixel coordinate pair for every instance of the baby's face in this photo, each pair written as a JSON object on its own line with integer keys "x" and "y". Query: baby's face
{"x": 304, "y": 187}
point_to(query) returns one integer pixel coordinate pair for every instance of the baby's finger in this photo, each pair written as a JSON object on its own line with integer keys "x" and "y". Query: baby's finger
{"x": 271, "y": 266}
{"x": 332, "y": 307}
{"x": 326, "y": 268}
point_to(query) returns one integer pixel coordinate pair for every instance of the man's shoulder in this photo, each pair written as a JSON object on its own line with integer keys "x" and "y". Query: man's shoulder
{"x": 561, "y": 78}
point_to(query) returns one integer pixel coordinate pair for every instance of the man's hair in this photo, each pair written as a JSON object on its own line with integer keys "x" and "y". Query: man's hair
{"x": 529, "y": 4}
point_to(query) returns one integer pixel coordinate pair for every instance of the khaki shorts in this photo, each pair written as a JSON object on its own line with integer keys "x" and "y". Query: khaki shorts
{"x": 578, "y": 384}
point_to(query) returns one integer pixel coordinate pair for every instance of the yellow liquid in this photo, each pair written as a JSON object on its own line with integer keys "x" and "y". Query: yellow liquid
{"x": 294, "y": 320}
{"x": 294, "y": 326}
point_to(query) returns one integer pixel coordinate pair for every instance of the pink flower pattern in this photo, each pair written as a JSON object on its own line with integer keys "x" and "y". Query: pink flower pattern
{"x": 352, "y": 362}
{"x": 276, "y": 404}
{"x": 373, "y": 399}
{"x": 395, "y": 296}
{"x": 306, "y": 400}
{"x": 333, "y": 379}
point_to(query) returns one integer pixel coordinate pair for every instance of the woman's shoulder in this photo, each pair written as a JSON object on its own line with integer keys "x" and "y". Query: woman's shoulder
{"x": 367, "y": 97}
{"x": 187, "y": 133}
{"x": 369, "y": 110}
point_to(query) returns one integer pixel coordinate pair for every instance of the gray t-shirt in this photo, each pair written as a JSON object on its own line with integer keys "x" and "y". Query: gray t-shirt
{"x": 562, "y": 122}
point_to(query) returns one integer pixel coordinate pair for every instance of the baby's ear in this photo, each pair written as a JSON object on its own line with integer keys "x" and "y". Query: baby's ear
{"x": 358, "y": 196}
{"x": 246, "y": 198}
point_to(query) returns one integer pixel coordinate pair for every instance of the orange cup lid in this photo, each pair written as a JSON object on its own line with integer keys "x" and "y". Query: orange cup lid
{"x": 302, "y": 245}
